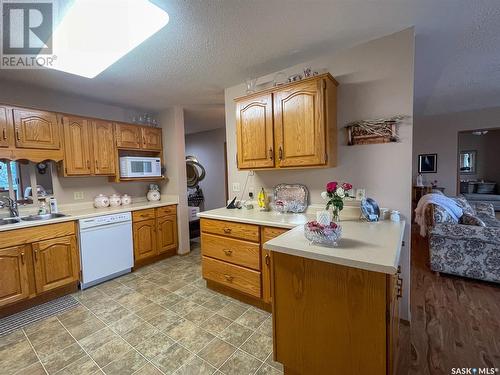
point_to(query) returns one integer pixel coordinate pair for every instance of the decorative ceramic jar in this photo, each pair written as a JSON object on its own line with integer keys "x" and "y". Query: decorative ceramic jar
{"x": 126, "y": 199}
{"x": 101, "y": 201}
{"x": 115, "y": 200}
{"x": 395, "y": 216}
{"x": 153, "y": 193}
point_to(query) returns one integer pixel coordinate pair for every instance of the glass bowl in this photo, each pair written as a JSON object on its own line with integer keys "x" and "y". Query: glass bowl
{"x": 322, "y": 235}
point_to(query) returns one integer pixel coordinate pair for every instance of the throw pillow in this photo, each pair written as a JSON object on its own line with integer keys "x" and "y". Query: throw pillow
{"x": 467, "y": 219}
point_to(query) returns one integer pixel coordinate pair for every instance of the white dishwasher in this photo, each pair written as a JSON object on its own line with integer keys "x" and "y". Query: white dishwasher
{"x": 106, "y": 248}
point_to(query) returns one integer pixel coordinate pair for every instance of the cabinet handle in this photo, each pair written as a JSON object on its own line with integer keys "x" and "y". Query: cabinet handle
{"x": 228, "y": 252}
{"x": 17, "y": 135}
{"x": 271, "y": 153}
{"x": 229, "y": 278}
{"x": 280, "y": 153}
{"x": 36, "y": 255}
{"x": 22, "y": 257}
{"x": 96, "y": 164}
{"x": 268, "y": 260}
{"x": 4, "y": 134}
{"x": 88, "y": 163}
{"x": 227, "y": 230}
{"x": 400, "y": 288}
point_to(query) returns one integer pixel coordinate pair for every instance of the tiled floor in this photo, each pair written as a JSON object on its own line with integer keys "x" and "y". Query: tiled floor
{"x": 160, "y": 319}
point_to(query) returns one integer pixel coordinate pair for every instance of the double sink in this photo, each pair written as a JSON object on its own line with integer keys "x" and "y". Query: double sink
{"x": 15, "y": 220}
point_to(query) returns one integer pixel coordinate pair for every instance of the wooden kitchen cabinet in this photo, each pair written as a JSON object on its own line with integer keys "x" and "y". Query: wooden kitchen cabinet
{"x": 145, "y": 239}
{"x": 37, "y": 264}
{"x": 166, "y": 233}
{"x": 36, "y": 129}
{"x": 289, "y": 126}
{"x": 151, "y": 138}
{"x": 155, "y": 234}
{"x": 254, "y": 132}
{"x": 5, "y": 128}
{"x": 267, "y": 234}
{"x": 14, "y": 284}
{"x": 77, "y": 146}
{"x": 128, "y": 136}
{"x": 103, "y": 142}
{"x": 56, "y": 263}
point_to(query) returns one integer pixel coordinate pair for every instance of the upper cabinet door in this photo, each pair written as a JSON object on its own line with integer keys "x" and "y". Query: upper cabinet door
{"x": 13, "y": 275}
{"x": 254, "y": 132}
{"x": 104, "y": 148}
{"x": 300, "y": 126}
{"x": 5, "y": 134}
{"x": 151, "y": 139}
{"x": 77, "y": 159}
{"x": 56, "y": 263}
{"x": 128, "y": 136}
{"x": 36, "y": 129}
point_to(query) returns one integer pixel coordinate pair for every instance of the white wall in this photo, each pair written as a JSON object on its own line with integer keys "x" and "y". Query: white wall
{"x": 376, "y": 80}
{"x": 208, "y": 148}
{"x": 439, "y": 134}
{"x": 172, "y": 121}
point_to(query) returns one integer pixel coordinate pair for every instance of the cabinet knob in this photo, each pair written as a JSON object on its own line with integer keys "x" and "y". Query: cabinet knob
{"x": 229, "y": 278}
{"x": 228, "y": 252}
{"x": 268, "y": 260}
{"x": 36, "y": 255}
{"x": 227, "y": 230}
{"x": 22, "y": 257}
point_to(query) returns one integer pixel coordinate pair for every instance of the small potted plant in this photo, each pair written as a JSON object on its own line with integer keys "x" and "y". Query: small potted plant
{"x": 334, "y": 196}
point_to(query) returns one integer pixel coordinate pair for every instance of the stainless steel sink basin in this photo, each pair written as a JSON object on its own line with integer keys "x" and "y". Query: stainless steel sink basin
{"x": 9, "y": 220}
{"x": 42, "y": 217}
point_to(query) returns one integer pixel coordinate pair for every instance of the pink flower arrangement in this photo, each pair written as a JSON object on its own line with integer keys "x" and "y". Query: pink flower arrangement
{"x": 335, "y": 194}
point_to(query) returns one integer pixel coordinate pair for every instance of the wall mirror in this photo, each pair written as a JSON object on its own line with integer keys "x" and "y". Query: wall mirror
{"x": 468, "y": 162}
{"x": 18, "y": 180}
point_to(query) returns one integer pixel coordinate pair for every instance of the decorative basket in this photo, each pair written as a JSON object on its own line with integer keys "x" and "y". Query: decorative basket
{"x": 322, "y": 235}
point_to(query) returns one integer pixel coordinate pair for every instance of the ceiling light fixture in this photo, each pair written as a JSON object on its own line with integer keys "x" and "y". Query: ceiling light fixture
{"x": 94, "y": 34}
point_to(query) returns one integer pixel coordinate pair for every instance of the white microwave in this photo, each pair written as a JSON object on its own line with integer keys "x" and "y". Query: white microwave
{"x": 136, "y": 166}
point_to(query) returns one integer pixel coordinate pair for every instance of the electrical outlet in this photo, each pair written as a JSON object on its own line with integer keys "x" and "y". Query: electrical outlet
{"x": 78, "y": 195}
{"x": 236, "y": 187}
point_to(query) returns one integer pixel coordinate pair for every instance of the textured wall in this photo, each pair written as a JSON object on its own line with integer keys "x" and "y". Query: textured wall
{"x": 376, "y": 80}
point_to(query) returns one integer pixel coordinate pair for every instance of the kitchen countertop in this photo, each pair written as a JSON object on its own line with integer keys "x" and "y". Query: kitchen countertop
{"x": 85, "y": 211}
{"x": 369, "y": 246}
{"x": 269, "y": 218}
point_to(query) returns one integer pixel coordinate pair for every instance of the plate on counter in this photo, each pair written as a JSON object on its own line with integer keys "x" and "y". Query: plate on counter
{"x": 296, "y": 196}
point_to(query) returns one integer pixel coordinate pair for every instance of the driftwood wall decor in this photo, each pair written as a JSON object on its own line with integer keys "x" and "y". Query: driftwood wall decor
{"x": 373, "y": 131}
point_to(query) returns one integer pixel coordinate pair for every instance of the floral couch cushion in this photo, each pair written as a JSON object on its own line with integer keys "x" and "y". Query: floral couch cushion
{"x": 468, "y": 219}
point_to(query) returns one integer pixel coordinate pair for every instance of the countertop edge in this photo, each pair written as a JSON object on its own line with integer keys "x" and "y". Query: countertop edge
{"x": 86, "y": 215}
{"x": 247, "y": 221}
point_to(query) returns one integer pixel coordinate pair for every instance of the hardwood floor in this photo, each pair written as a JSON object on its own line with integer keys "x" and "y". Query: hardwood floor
{"x": 455, "y": 321}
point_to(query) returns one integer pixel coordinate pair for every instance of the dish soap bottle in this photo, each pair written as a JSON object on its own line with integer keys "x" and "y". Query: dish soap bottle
{"x": 262, "y": 200}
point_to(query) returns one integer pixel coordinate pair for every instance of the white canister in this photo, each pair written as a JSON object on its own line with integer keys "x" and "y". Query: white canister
{"x": 101, "y": 201}
{"x": 153, "y": 195}
{"x": 395, "y": 216}
{"x": 126, "y": 199}
{"x": 324, "y": 217}
{"x": 115, "y": 200}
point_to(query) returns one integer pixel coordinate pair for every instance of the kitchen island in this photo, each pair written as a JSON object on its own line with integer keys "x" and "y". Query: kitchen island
{"x": 336, "y": 310}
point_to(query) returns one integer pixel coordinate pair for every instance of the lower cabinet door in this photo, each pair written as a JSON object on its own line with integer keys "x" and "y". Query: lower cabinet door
{"x": 13, "y": 275}
{"x": 167, "y": 233}
{"x": 56, "y": 263}
{"x": 145, "y": 239}
{"x": 267, "y": 234}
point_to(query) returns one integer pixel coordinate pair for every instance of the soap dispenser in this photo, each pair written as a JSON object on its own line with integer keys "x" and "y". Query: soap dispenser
{"x": 42, "y": 207}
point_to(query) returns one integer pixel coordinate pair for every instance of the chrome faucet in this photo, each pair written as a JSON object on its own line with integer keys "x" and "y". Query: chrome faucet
{"x": 11, "y": 204}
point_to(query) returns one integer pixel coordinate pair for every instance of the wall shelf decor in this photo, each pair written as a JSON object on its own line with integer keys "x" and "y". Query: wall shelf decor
{"x": 373, "y": 131}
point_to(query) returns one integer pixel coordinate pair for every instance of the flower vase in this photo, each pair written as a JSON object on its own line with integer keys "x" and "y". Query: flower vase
{"x": 335, "y": 215}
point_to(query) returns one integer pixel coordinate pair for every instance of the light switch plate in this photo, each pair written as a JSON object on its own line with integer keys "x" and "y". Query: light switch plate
{"x": 78, "y": 195}
{"x": 236, "y": 187}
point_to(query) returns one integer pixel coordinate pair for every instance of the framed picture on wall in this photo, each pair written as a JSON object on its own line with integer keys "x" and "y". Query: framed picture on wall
{"x": 427, "y": 163}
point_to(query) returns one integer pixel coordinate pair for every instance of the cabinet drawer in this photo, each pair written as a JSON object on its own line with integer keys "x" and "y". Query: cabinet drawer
{"x": 247, "y": 232}
{"x": 143, "y": 214}
{"x": 165, "y": 211}
{"x": 268, "y": 233}
{"x": 242, "y": 279}
{"x": 239, "y": 252}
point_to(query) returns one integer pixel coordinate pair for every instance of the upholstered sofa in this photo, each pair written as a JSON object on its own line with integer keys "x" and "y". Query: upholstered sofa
{"x": 470, "y": 247}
